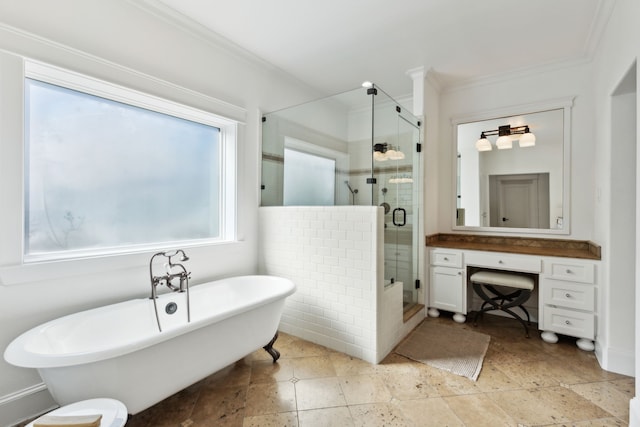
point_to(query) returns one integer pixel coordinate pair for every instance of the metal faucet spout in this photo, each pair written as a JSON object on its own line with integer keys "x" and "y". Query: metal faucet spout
{"x": 173, "y": 271}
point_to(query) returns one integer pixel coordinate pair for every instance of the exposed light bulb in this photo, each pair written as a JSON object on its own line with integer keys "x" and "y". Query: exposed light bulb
{"x": 367, "y": 84}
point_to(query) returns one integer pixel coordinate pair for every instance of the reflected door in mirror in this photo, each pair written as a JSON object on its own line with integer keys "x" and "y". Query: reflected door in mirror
{"x": 519, "y": 201}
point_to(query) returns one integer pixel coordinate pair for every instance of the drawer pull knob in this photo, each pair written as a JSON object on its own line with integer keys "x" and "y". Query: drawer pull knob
{"x": 446, "y": 259}
{"x": 569, "y": 271}
{"x": 568, "y": 295}
{"x": 500, "y": 262}
{"x": 567, "y": 322}
{"x": 459, "y": 273}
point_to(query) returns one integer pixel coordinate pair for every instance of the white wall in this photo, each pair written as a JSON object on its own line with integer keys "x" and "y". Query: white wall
{"x": 618, "y": 354}
{"x": 118, "y": 42}
{"x": 617, "y": 52}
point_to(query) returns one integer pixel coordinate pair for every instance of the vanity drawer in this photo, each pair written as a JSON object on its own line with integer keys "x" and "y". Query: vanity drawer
{"x": 572, "y": 271}
{"x": 504, "y": 262}
{"x": 568, "y": 294}
{"x": 568, "y": 322}
{"x": 446, "y": 258}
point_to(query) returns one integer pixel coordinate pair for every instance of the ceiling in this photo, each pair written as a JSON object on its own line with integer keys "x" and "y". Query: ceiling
{"x": 334, "y": 45}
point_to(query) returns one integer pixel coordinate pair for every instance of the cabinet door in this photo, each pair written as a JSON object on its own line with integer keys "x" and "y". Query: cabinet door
{"x": 446, "y": 290}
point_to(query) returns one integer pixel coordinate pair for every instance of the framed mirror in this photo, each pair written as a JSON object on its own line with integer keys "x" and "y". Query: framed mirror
{"x": 512, "y": 170}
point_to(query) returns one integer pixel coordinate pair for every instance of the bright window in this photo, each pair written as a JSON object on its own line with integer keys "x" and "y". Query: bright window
{"x": 106, "y": 176}
{"x": 309, "y": 179}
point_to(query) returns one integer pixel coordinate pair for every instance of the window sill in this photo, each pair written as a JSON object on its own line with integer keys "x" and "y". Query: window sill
{"x": 33, "y": 272}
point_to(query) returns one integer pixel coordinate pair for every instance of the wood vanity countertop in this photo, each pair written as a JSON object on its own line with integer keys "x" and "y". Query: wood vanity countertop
{"x": 518, "y": 245}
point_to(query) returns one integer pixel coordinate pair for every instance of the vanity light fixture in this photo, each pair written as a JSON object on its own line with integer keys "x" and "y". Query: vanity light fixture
{"x": 401, "y": 179}
{"x": 383, "y": 152}
{"x": 506, "y": 137}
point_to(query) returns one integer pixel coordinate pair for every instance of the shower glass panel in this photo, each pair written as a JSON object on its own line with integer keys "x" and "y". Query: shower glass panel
{"x": 372, "y": 143}
{"x": 396, "y": 138}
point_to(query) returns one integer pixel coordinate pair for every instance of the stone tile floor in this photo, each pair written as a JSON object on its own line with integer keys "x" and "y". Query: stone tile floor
{"x": 524, "y": 382}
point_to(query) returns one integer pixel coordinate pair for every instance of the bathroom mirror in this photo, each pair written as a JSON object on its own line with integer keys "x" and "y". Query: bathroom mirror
{"x": 523, "y": 186}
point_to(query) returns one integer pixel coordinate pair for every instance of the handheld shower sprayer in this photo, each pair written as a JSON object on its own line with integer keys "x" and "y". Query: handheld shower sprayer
{"x": 353, "y": 193}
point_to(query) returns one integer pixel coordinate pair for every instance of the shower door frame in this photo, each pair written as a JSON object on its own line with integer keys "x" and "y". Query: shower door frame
{"x": 413, "y": 148}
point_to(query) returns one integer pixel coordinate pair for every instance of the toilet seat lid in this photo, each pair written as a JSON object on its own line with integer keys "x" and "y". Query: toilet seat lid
{"x": 114, "y": 412}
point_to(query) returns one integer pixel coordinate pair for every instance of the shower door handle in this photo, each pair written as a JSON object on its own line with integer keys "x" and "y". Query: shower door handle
{"x": 404, "y": 217}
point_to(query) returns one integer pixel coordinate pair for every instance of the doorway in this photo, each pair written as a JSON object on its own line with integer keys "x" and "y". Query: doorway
{"x": 519, "y": 200}
{"x": 623, "y": 228}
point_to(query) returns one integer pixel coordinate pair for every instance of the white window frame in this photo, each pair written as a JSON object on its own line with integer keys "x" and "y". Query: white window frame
{"x": 14, "y": 267}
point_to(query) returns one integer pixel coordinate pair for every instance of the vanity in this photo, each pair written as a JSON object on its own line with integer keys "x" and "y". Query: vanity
{"x": 511, "y": 172}
{"x": 564, "y": 272}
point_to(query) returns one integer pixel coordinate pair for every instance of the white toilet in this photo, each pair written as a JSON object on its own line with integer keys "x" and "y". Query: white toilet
{"x": 114, "y": 413}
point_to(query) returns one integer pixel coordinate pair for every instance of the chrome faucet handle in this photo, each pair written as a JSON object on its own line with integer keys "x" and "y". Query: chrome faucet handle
{"x": 173, "y": 287}
{"x": 170, "y": 273}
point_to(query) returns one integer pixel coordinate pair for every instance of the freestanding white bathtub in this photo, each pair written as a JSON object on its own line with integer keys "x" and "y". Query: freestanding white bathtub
{"x": 117, "y": 352}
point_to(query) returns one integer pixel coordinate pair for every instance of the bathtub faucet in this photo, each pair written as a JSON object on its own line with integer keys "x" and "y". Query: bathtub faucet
{"x": 173, "y": 270}
{"x": 167, "y": 279}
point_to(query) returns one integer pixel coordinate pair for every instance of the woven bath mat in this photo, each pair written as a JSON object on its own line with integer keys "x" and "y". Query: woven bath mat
{"x": 451, "y": 348}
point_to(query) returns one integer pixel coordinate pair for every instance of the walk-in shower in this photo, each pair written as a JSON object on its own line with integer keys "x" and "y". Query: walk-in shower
{"x": 360, "y": 147}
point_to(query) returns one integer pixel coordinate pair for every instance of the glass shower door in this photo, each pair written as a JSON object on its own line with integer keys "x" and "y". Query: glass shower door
{"x": 395, "y": 167}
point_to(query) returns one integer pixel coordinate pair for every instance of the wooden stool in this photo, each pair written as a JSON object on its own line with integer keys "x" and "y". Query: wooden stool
{"x": 520, "y": 291}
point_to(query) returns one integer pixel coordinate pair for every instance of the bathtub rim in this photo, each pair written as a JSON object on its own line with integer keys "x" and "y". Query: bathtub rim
{"x": 16, "y": 353}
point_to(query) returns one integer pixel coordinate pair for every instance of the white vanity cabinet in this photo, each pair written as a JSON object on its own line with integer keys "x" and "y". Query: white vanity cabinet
{"x": 568, "y": 301}
{"x": 447, "y": 288}
{"x": 566, "y": 288}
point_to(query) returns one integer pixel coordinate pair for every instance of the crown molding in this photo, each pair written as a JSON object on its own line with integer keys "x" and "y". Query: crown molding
{"x": 178, "y": 20}
{"x": 186, "y": 24}
{"x": 515, "y": 110}
{"x": 475, "y": 82}
{"x": 436, "y": 83}
{"x": 415, "y": 73}
{"x": 597, "y": 28}
{"x": 8, "y": 32}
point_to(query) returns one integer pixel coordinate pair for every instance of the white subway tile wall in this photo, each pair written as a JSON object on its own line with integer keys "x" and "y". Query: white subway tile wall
{"x": 332, "y": 253}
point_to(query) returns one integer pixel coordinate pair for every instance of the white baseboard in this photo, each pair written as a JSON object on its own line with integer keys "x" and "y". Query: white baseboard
{"x": 620, "y": 361}
{"x": 25, "y": 404}
{"x": 634, "y": 412}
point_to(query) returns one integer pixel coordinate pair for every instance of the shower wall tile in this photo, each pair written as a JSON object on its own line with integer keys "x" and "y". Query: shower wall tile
{"x": 332, "y": 254}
